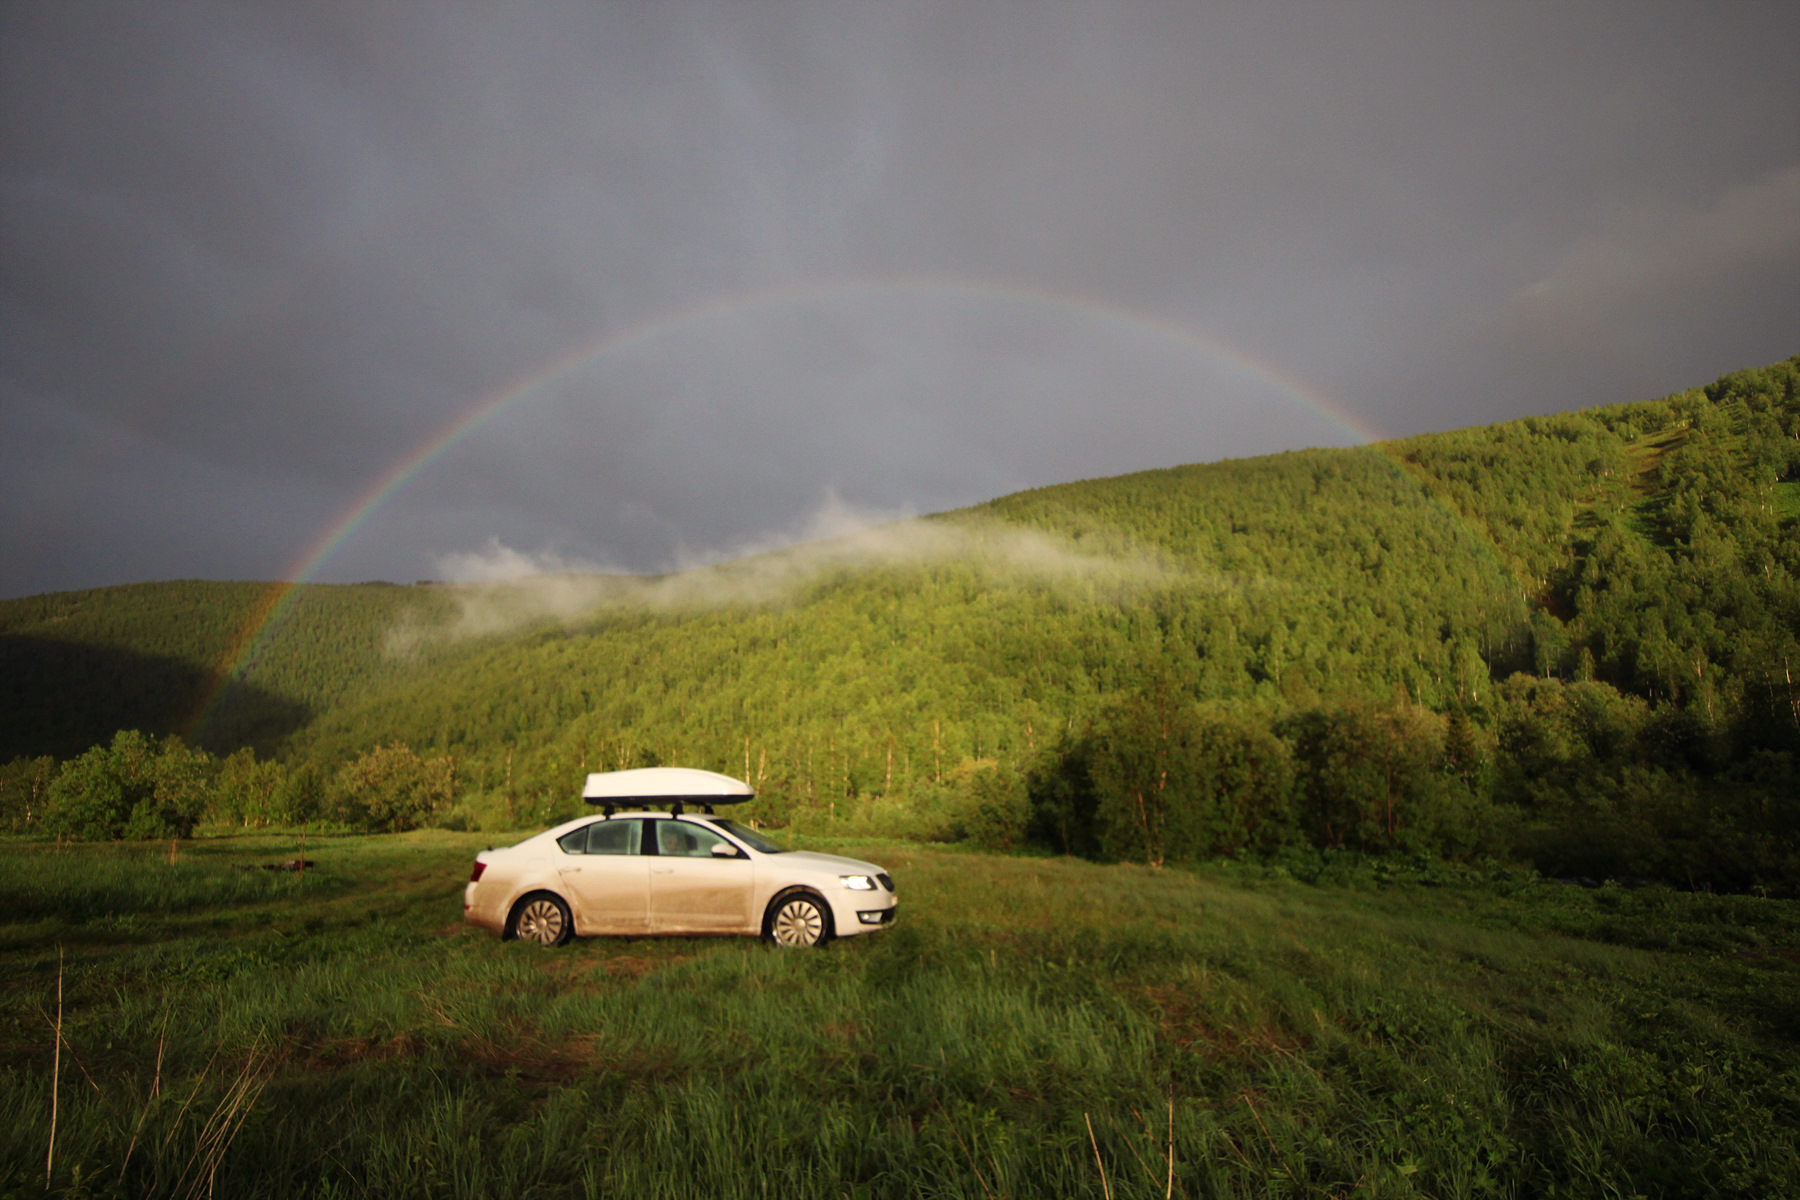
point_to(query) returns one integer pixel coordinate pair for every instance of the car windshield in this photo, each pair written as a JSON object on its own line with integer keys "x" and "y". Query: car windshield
{"x": 749, "y": 837}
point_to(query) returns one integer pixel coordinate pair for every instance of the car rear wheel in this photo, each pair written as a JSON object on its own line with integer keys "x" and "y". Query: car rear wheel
{"x": 799, "y": 920}
{"x": 543, "y": 919}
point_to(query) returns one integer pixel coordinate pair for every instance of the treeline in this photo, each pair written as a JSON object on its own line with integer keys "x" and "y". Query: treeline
{"x": 138, "y": 788}
{"x": 1574, "y": 778}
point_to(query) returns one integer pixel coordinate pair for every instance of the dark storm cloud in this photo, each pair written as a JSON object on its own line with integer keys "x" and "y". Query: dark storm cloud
{"x": 252, "y": 255}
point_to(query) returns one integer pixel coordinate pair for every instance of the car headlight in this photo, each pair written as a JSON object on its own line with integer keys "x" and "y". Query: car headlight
{"x": 858, "y": 883}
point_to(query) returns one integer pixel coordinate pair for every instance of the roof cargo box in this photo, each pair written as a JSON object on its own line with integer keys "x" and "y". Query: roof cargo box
{"x": 669, "y": 787}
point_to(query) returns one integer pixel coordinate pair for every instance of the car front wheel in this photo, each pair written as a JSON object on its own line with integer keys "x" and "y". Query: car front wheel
{"x": 799, "y": 921}
{"x": 543, "y": 919}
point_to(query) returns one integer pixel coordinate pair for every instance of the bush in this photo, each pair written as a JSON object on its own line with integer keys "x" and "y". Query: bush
{"x": 995, "y": 810}
{"x": 1673, "y": 826}
{"x": 1549, "y": 730}
{"x": 301, "y": 795}
{"x": 1155, "y": 780}
{"x": 1141, "y": 765}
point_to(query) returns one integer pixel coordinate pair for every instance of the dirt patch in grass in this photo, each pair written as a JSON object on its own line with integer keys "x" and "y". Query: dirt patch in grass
{"x": 575, "y": 1058}
{"x": 526, "y": 1062}
{"x": 630, "y": 966}
{"x": 529, "y": 1063}
{"x": 1183, "y": 1023}
{"x": 581, "y": 971}
{"x": 335, "y": 1054}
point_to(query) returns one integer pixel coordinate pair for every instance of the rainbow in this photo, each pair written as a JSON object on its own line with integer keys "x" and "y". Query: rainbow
{"x": 266, "y": 614}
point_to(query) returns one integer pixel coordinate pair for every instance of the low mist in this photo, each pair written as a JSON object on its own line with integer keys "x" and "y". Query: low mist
{"x": 498, "y": 589}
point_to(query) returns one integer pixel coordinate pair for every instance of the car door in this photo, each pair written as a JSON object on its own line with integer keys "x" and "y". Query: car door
{"x": 604, "y": 870}
{"x": 692, "y": 889}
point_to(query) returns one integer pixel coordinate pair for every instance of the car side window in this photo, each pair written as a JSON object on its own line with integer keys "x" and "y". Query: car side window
{"x": 679, "y": 839}
{"x": 603, "y": 837}
{"x": 614, "y": 837}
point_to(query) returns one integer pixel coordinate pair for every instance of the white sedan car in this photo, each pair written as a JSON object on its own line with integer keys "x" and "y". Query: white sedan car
{"x": 661, "y": 869}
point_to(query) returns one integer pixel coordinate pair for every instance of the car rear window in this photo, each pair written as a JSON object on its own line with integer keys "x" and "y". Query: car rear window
{"x": 603, "y": 837}
{"x": 614, "y": 837}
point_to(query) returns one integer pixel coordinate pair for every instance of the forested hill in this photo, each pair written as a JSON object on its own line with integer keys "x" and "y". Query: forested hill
{"x": 1648, "y": 545}
{"x": 75, "y": 666}
{"x": 1631, "y": 568}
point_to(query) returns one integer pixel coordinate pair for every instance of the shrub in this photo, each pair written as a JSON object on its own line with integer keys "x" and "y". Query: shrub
{"x": 996, "y": 809}
{"x": 301, "y": 795}
{"x": 1143, "y": 749}
{"x": 1158, "y": 779}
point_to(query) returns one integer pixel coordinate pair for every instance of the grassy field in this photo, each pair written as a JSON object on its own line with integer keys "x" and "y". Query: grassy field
{"x": 1027, "y": 1025}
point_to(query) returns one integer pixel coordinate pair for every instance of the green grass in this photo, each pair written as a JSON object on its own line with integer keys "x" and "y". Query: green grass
{"x": 1387, "y": 1032}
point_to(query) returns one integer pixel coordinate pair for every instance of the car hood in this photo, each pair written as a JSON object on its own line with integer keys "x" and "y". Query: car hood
{"x": 835, "y": 863}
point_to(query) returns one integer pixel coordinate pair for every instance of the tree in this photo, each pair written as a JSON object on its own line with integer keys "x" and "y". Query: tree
{"x": 130, "y": 789}
{"x": 1367, "y": 779}
{"x": 391, "y": 788}
{"x": 25, "y": 790}
{"x": 1141, "y": 761}
{"x": 249, "y": 792}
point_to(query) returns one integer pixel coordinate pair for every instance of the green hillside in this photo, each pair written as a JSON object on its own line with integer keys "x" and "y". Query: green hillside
{"x": 1261, "y": 582}
{"x": 1576, "y": 633}
{"x": 1625, "y": 544}
{"x": 75, "y": 666}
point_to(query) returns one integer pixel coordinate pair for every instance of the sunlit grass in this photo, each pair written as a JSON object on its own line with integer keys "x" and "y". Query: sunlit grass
{"x": 1378, "y": 1037}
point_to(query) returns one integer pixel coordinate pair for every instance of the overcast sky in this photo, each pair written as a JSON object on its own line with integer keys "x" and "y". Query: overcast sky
{"x": 845, "y": 258}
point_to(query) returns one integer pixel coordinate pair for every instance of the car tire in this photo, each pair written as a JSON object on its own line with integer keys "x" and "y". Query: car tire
{"x": 798, "y": 919}
{"x": 541, "y": 918}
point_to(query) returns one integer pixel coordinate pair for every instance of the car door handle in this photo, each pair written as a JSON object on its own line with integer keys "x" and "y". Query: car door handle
{"x": 570, "y": 870}
{"x": 662, "y": 870}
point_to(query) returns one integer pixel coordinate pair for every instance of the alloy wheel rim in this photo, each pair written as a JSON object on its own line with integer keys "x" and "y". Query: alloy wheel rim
{"x": 798, "y": 924}
{"x": 541, "y": 922}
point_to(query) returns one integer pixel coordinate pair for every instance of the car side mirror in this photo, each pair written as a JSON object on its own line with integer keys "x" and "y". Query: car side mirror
{"x": 721, "y": 850}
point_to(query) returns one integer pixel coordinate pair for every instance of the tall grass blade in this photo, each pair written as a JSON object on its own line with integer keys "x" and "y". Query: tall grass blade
{"x": 1105, "y": 1188}
{"x": 55, "y": 1071}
